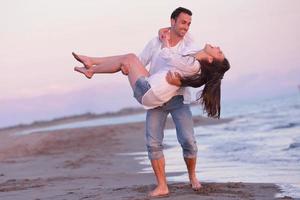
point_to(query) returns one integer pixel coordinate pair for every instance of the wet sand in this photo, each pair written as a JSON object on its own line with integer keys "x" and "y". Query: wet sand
{"x": 86, "y": 163}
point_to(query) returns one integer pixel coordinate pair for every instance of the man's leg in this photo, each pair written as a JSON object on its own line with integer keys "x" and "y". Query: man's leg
{"x": 191, "y": 167}
{"x": 183, "y": 120}
{"x": 155, "y": 123}
{"x": 158, "y": 167}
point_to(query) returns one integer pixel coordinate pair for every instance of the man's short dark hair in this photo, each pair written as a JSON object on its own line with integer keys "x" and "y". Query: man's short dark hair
{"x": 179, "y": 10}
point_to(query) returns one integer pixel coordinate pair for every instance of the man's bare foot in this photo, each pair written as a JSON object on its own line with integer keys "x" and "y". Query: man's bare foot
{"x": 162, "y": 191}
{"x": 84, "y": 60}
{"x": 84, "y": 71}
{"x": 196, "y": 185}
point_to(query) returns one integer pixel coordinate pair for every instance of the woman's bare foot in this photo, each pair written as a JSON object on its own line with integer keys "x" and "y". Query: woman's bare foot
{"x": 84, "y": 71}
{"x": 196, "y": 185}
{"x": 86, "y": 61}
{"x": 159, "y": 192}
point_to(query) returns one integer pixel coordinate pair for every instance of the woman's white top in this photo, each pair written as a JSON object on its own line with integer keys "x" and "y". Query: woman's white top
{"x": 161, "y": 91}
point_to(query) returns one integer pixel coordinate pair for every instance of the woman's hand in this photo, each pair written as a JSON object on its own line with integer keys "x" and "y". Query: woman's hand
{"x": 165, "y": 40}
{"x": 162, "y": 32}
{"x": 174, "y": 78}
{"x": 164, "y": 37}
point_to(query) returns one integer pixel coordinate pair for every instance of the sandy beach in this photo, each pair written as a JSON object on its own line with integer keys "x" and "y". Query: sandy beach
{"x": 89, "y": 163}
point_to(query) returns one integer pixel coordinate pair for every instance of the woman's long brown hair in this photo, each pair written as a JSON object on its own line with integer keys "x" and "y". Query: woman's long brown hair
{"x": 210, "y": 76}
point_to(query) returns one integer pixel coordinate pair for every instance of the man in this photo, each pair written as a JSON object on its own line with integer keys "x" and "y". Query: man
{"x": 179, "y": 42}
{"x": 178, "y": 108}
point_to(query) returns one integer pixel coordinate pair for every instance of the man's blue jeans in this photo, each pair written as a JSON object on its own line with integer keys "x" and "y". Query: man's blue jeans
{"x": 155, "y": 124}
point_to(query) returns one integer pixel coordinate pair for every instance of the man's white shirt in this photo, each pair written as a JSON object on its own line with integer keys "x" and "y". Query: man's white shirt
{"x": 162, "y": 60}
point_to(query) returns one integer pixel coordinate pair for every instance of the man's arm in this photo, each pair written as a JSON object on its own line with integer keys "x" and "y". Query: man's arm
{"x": 174, "y": 78}
{"x": 147, "y": 53}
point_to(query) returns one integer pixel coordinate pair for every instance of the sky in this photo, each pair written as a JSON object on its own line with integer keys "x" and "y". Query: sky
{"x": 260, "y": 38}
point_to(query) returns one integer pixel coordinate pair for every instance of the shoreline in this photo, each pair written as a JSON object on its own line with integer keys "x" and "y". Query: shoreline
{"x": 84, "y": 163}
{"x": 77, "y": 118}
{"x": 70, "y": 119}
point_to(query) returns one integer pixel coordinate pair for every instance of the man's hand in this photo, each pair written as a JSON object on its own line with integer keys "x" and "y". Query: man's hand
{"x": 124, "y": 70}
{"x": 174, "y": 78}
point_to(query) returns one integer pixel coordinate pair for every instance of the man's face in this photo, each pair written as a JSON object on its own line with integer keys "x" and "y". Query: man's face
{"x": 182, "y": 24}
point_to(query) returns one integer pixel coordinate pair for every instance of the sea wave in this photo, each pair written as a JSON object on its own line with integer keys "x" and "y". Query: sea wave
{"x": 294, "y": 145}
{"x": 288, "y": 125}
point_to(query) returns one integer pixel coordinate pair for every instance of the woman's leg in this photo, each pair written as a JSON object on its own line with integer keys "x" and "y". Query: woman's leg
{"x": 89, "y": 62}
{"x": 135, "y": 69}
{"x": 114, "y": 64}
{"x": 99, "y": 60}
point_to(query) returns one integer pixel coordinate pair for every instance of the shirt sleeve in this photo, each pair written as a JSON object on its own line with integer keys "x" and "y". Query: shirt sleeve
{"x": 147, "y": 53}
{"x": 187, "y": 65}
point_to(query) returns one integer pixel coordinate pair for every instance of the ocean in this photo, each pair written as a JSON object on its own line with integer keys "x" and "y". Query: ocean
{"x": 261, "y": 144}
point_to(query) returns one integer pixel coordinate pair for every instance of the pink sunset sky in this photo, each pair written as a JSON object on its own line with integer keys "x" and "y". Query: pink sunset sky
{"x": 259, "y": 37}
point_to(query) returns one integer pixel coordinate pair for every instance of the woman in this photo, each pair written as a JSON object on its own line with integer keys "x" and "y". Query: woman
{"x": 206, "y": 67}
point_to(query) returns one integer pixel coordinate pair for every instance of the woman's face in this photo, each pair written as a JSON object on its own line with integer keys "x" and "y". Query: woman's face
{"x": 214, "y": 52}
